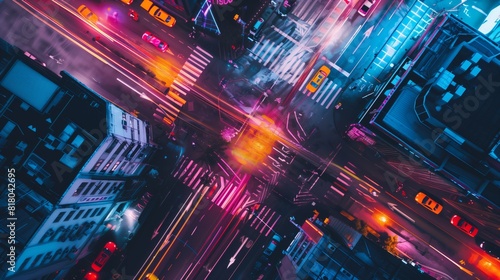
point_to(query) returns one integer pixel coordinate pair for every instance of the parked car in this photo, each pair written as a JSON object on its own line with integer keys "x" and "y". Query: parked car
{"x": 318, "y": 79}
{"x": 489, "y": 247}
{"x": 366, "y": 7}
{"x": 463, "y": 225}
{"x": 103, "y": 256}
{"x": 272, "y": 245}
{"x": 88, "y": 14}
{"x": 428, "y": 203}
{"x": 153, "y": 40}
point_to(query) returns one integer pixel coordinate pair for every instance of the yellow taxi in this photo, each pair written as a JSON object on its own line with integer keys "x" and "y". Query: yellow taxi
{"x": 318, "y": 79}
{"x": 428, "y": 203}
{"x": 158, "y": 13}
{"x": 88, "y": 14}
{"x": 162, "y": 16}
{"x": 151, "y": 276}
{"x": 128, "y": 2}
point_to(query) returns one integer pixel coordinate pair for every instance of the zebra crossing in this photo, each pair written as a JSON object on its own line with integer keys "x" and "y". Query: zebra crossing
{"x": 222, "y": 191}
{"x": 191, "y": 70}
{"x": 265, "y": 220}
{"x": 287, "y": 66}
{"x": 307, "y": 11}
{"x": 326, "y": 93}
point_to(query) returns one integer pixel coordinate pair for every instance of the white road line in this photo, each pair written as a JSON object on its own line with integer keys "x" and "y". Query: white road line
{"x": 334, "y": 97}
{"x": 195, "y": 176}
{"x": 220, "y": 188}
{"x": 174, "y": 86}
{"x": 203, "y": 51}
{"x": 329, "y": 93}
{"x": 322, "y": 91}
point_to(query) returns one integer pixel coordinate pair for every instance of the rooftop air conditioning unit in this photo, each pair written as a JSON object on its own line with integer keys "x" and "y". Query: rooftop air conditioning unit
{"x": 463, "y": 67}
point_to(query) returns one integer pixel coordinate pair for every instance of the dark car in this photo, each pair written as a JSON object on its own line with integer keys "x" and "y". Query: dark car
{"x": 489, "y": 247}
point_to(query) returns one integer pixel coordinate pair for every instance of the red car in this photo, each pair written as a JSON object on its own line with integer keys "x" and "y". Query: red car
{"x": 90, "y": 276}
{"x": 103, "y": 256}
{"x": 463, "y": 225}
{"x": 153, "y": 40}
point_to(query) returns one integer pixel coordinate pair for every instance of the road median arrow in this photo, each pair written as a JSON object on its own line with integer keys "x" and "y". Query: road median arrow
{"x": 233, "y": 258}
{"x": 393, "y": 207}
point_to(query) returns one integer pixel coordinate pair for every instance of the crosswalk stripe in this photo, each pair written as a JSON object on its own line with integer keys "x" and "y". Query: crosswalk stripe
{"x": 320, "y": 89}
{"x": 272, "y": 225}
{"x": 229, "y": 198}
{"x": 182, "y": 162}
{"x": 193, "y": 69}
{"x": 189, "y": 174}
{"x": 241, "y": 204}
{"x": 222, "y": 186}
{"x": 200, "y": 57}
{"x": 197, "y": 61}
{"x": 225, "y": 193}
{"x": 329, "y": 93}
{"x": 276, "y": 59}
{"x": 195, "y": 176}
{"x": 333, "y": 98}
{"x": 186, "y": 169}
{"x": 186, "y": 75}
{"x": 298, "y": 72}
{"x": 262, "y": 218}
{"x": 204, "y": 51}
{"x": 176, "y": 85}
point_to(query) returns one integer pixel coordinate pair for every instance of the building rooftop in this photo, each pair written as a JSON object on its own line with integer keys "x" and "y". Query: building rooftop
{"x": 442, "y": 103}
{"x": 49, "y": 125}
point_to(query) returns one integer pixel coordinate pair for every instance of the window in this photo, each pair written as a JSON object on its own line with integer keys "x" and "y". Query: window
{"x": 86, "y": 213}
{"x": 132, "y": 154}
{"x": 94, "y": 212}
{"x": 103, "y": 189}
{"x": 80, "y": 188}
{"x": 111, "y": 146}
{"x": 97, "y": 187}
{"x": 35, "y": 261}
{"x": 70, "y": 214}
{"x": 7, "y": 129}
{"x": 59, "y": 217}
{"x": 115, "y": 166}
{"x": 96, "y": 165}
{"x": 116, "y": 188}
{"x": 107, "y": 164}
{"x": 24, "y": 263}
{"x": 100, "y": 211}
{"x": 120, "y": 149}
{"x": 86, "y": 191}
{"x": 122, "y": 168}
{"x": 111, "y": 188}
{"x": 78, "y": 214}
{"x": 129, "y": 148}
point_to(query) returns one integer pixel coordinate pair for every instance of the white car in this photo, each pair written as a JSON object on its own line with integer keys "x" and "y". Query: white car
{"x": 366, "y": 7}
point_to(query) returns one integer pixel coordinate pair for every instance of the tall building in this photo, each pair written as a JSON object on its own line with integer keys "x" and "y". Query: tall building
{"x": 441, "y": 105}
{"x": 337, "y": 251}
{"x": 74, "y": 160}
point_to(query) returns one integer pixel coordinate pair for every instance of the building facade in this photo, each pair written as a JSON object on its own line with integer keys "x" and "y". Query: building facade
{"x": 336, "y": 251}
{"x": 75, "y": 160}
